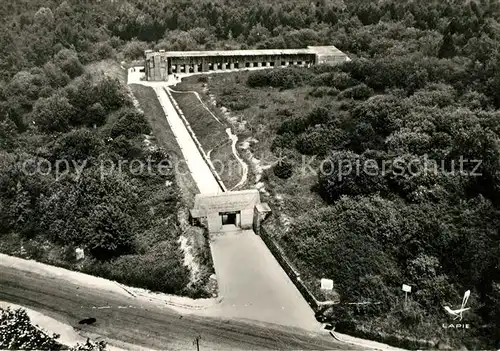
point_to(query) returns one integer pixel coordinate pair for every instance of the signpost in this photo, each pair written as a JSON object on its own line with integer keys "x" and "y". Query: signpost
{"x": 406, "y": 289}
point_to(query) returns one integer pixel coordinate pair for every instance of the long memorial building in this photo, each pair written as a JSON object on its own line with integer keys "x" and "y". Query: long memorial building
{"x": 159, "y": 65}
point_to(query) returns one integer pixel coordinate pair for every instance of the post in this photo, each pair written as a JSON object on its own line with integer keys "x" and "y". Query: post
{"x": 197, "y": 342}
{"x": 406, "y": 289}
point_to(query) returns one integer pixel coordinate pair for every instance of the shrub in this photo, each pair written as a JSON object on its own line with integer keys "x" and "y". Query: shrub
{"x": 258, "y": 79}
{"x": 108, "y": 232}
{"x": 319, "y": 141}
{"x": 68, "y": 61}
{"x": 283, "y": 141}
{"x": 339, "y": 80}
{"x": 323, "y": 91}
{"x": 19, "y": 334}
{"x": 353, "y": 230}
{"x": 77, "y": 145}
{"x": 284, "y": 111}
{"x": 319, "y": 115}
{"x": 162, "y": 270}
{"x": 53, "y": 114}
{"x": 293, "y": 126}
{"x": 285, "y": 78}
{"x": 130, "y": 123}
{"x": 134, "y": 49}
{"x": 358, "y": 92}
{"x": 283, "y": 170}
{"x": 96, "y": 115}
{"x": 111, "y": 94}
{"x": 346, "y": 173}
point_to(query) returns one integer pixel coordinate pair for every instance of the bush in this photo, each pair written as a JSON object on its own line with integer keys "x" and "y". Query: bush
{"x": 258, "y": 79}
{"x": 108, "y": 232}
{"x": 358, "y": 92}
{"x": 53, "y": 114}
{"x": 323, "y": 91}
{"x": 319, "y": 115}
{"x": 19, "y": 334}
{"x": 68, "y": 61}
{"x": 77, "y": 145}
{"x": 162, "y": 270}
{"x": 338, "y": 80}
{"x": 134, "y": 49}
{"x": 315, "y": 141}
{"x": 286, "y": 78}
{"x": 111, "y": 94}
{"x": 283, "y": 170}
{"x": 346, "y": 173}
{"x": 130, "y": 123}
{"x": 345, "y": 242}
{"x": 293, "y": 126}
{"x": 283, "y": 141}
{"x": 319, "y": 141}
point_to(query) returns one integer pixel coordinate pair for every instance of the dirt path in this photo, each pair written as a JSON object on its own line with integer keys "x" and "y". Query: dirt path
{"x": 244, "y": 166}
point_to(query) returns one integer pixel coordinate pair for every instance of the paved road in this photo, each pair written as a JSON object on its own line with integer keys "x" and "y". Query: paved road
{"x": 253, "y": 285}
{"x": 198, "y": 167}
{"x": 139, "y": 322}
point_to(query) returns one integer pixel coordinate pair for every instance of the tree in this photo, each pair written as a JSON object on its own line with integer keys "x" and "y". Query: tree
{"x": 345, "y": 242}
{"x": 44, "y": 17}
{"x": 319, "y": 140}
{"x": 447, "y": 48}
{"x": 134, "y": 49}
{"x": 383, "y": 112}
{"x": 283, "y": 170}
{"x": 111, "y": 94}
{"x": 129, "y": 123}
{"x": 257, "y": 33}
{"x": 53, "y": 114}
{"x": 68, "y": 61}
{"x": 18, "y": 333}
{"x": 8, "y": 134}
{"x": 77, "y": 145}
{"x": 346, "y": 173}
{"x": 108, "y": 232}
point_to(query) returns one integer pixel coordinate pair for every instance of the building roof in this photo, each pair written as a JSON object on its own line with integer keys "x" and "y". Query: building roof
{"x": 227, "y": 201}
{"x": 319, "y": 50}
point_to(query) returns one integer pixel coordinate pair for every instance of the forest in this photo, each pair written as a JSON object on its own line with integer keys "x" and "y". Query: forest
{"x": 423, "y": 84}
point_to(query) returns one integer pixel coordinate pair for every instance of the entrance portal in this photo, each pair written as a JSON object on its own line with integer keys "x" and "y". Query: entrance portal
{"x": 228, "y": 209}
{"x": 230, "y": 218}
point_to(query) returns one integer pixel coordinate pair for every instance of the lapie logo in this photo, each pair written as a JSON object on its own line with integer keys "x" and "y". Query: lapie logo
{"x": 458, "y": 313}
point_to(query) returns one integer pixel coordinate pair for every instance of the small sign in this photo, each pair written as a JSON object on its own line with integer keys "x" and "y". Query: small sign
{"x": 406, "y": 288}
{"x": 326, "y": 284}
{"x": 80, "y": 255}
